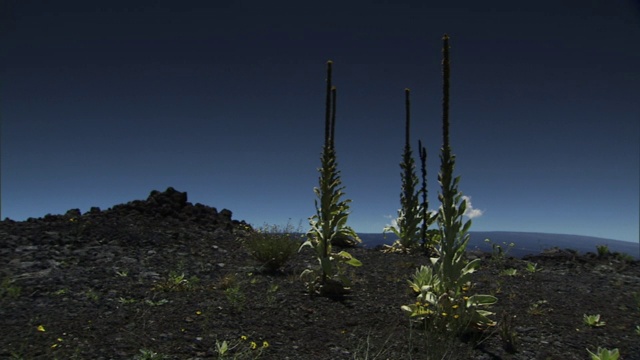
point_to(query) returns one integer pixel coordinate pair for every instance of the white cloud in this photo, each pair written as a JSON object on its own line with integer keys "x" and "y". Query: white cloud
{"x": 394, "y": 221}
{"x": 470, "y": 212}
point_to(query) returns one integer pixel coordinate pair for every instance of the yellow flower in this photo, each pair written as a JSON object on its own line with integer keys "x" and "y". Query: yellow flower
{"x": 41, "y": 328}
{"x": 265, "y": 344}
{"x": 243, "y": 338}
{"x": 253, "y": 345}
{"x": 444, "y": 314}
{"x": 456, "y": 316}
{"x": 456, "y": 306}
{"x": 198, "y": 312}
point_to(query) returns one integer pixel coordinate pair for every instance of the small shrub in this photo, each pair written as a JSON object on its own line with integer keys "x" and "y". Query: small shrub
{"x": 624, "y": 257}
{"x": 603, "y": 250}
{"x": 272, "y": 246}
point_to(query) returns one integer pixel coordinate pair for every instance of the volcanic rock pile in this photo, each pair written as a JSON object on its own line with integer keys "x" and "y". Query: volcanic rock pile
{"x": 124, "y": 236}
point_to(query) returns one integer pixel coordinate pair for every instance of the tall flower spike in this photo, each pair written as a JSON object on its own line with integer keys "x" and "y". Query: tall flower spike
{"x": 445, "y": 91}
{"x": 407, "y": 104}
{"x": 327, "y": 122}
{"x": 333, "y": 115}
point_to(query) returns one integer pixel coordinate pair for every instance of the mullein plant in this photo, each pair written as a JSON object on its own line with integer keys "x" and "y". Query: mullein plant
{"x": 330, "y": 221}
{"x": 428, "y": 237}
{"x": 444, "y": 299}
{"x": 407, "y": 225}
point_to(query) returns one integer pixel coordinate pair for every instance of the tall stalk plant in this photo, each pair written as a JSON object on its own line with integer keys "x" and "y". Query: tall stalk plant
{"x": 407, "y": 226}
{"x": 330, "y": 221}
{"x": 444, "y": 290}
{"x": 429, "y": 237}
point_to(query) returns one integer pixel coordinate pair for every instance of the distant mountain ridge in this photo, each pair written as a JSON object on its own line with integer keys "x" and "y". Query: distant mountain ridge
{"x": 526, "y": 243}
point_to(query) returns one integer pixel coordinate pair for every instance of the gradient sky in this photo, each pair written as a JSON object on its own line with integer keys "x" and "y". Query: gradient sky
{"x": 104, "y": 101}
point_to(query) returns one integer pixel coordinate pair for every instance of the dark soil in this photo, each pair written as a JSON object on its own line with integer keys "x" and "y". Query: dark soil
{"x": 106, "y": 285}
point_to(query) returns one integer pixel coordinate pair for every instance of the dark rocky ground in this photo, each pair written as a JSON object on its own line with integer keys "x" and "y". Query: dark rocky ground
{"x": 107, "y": 285}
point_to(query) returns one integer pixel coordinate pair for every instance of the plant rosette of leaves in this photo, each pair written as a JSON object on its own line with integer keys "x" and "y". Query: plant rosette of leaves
{"x": 329, "y": 278}
{"x": 604, "y": 354}
{"x": 449, "y": 307}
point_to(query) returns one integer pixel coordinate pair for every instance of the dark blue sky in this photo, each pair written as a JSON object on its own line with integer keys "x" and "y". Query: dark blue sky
{"x": 104, "y": 101}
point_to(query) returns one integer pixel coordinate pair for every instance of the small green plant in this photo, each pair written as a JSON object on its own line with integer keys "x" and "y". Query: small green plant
{"x": 604, "y": 354}
{"x": 271, "y": 293}
{"x": 603, "y": 250}
{"x": 176, "y": 282}
{"x": 499, "y": 252}
{"x": 236, "y": 297}
{"x": 240, "y": 349}
{"x": 593, "y": 320}
{"x": 146, "y": 354}
{"x": 539, "y": 307}
{"x": 330, "y": 221}
{"x": 125, "y": 301}
{"x": 637, "y": 330}
{"x": 532, "y": 267}
{"x": 92, "y": 295}
{"x": 7, "y": 289}
{"x": 272, "y": 246}
{"x": 156, "y": 303}
{"x": 122, "y": 273}
{"x": 61, "y": 292}
{"x": 422, "y": 277}
{"x": 509, "y": 272}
